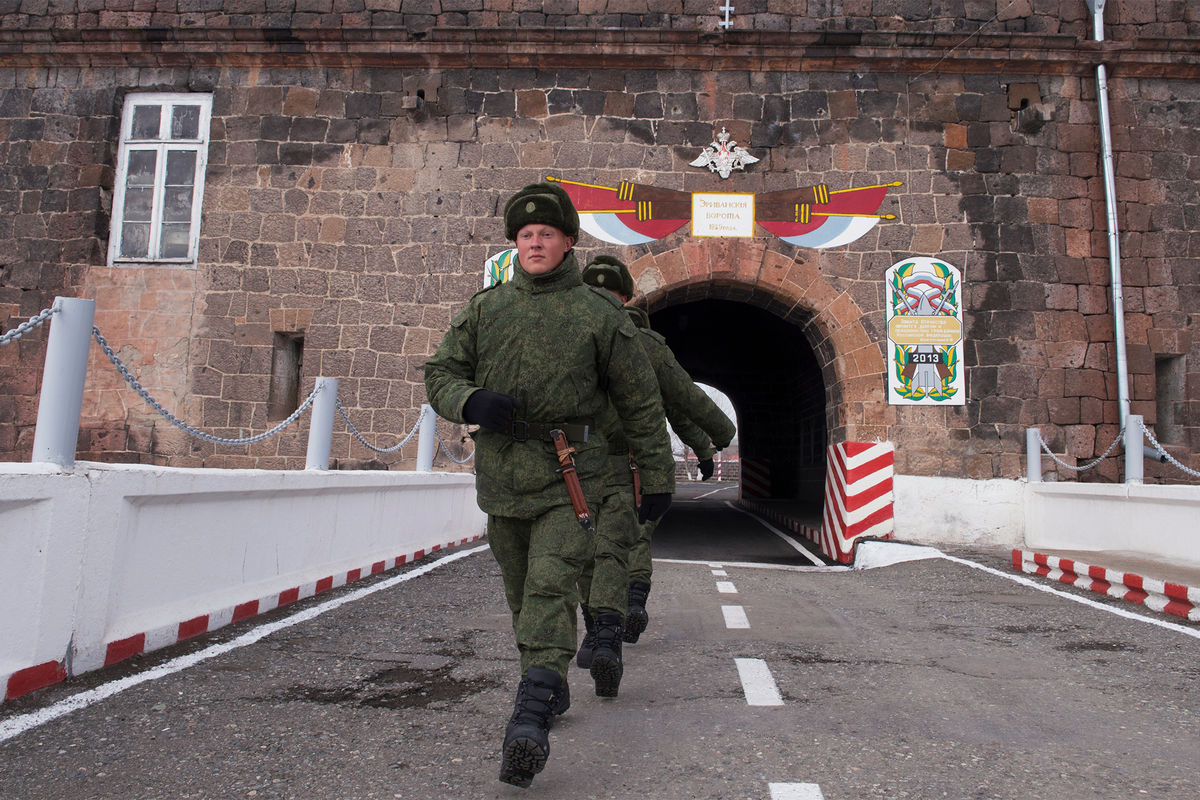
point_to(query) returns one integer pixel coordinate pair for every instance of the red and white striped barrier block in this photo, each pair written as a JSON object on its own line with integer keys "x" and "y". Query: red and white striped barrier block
{"x": 858, "y": 496}
{"x": 1169, "y": 598}
{"x": 30, "y": 679}
{"x": 756, "y": 477}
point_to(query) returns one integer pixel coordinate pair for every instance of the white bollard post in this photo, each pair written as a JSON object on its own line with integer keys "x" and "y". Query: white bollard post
{"x": 426, "y": 439}
{"x": 1033, "y": 455}
{"x": 320, "y": 428}
{"x": 63, "y": 376}
{"x": 1133, "y": 449}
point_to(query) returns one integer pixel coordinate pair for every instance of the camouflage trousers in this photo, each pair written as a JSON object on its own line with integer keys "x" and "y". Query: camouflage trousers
{"x": 540, "y": 561}
{"x": 604, "y": 584}
{"x": 640, "y": 564}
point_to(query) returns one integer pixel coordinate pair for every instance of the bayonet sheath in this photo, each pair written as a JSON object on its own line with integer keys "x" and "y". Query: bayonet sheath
{"x": 566, "y": 461}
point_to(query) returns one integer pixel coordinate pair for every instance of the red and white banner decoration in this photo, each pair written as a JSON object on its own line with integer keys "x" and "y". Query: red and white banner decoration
{"x": 858, "y": 496}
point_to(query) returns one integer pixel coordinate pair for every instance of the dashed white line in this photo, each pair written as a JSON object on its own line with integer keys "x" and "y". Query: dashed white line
{"x": 757, "y": 682}
{"x": 735, "y": 617}
{"x": 726, "y": 587}
{"x": 720, "y": 573}
{"x": 795, "y": 791}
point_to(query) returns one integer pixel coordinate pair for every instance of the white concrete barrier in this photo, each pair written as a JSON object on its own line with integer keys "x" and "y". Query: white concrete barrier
{"x": 1153, "y": 521}
{"x": 959, "y": 511}
{"x": 109, "y": 561}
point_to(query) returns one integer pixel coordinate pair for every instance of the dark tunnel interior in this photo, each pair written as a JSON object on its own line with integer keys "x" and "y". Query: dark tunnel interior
{"x": 768, "y": 370}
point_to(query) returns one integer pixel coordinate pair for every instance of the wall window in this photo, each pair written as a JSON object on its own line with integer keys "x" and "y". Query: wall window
{"x": 159, "y": 185}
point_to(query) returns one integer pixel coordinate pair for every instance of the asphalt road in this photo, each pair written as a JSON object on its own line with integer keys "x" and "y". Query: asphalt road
{"x": 925, "y": 679}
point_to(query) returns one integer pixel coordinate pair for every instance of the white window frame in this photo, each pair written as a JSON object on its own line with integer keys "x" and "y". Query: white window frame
{"x": 161, "y": 145}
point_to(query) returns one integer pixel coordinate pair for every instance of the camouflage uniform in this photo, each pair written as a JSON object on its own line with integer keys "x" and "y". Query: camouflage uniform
{"x": 553, "y": 343}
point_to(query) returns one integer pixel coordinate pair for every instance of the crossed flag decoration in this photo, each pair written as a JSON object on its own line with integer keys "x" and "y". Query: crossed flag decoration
{"x": 813, "y": 216}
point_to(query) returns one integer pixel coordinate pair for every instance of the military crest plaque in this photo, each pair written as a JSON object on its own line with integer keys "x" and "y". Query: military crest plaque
{"x": 925, "y": 332}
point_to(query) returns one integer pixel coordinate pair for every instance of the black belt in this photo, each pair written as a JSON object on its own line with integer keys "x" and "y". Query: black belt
{"x": 523, "y": 431}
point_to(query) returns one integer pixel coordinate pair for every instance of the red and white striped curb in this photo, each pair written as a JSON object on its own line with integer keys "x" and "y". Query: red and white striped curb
{"x": 30, "y": 679}
{"x": 858, "y": 496}
{"x": 1169, "y": 598}
{"x": 782, "y": 520}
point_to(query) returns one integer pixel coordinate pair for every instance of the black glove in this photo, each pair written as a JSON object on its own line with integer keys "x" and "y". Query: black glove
{"x": 492, "y": 410}
{"x": 653, "y": 506}
{"x": 706, "y": 469}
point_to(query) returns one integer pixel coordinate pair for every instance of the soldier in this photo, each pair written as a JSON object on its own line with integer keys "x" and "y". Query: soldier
{"x": 697, "y": 420}
{"x": 529, "y": 361}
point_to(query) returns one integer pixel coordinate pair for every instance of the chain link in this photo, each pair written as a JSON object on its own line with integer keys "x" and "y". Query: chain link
{"x": 1170, "y": 459}
{"x": 449, "y": 455}
{"x": 1088, "y": 465}
{"x": 27, "y": 326}
{"x": 358, "y": 435}
{"x": 178, "y": 423}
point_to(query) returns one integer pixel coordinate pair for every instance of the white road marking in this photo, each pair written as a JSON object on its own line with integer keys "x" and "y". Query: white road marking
{"x": 720, "y": 573}
{"x": 714, "y": 491}
{"x": 757, "y": 682}
{"x": 801, "y": 549}
{"x": 735, "y": 617}
{"x": 15, "y": 726}
{"x": 726, "y": 587}
{"x": 795, "y": 791}
{"x": 756, "y": 565}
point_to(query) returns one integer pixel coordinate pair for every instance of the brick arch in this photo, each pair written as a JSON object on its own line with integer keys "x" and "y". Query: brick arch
{"x": 795, "y": 290}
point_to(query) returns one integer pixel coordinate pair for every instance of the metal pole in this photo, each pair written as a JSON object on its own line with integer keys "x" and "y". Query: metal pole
{"x": 320, "y": 428}
{"x": 426, "y": 438}
{"x": 1033, "y": 455}
{"x": 1110, "y": 204}
{"x": 61, "y": 400}
{"x": 1133, "y": 449}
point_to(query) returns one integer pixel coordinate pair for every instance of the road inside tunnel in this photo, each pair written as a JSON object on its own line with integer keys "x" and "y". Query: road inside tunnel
{"x": 769, "y": 371}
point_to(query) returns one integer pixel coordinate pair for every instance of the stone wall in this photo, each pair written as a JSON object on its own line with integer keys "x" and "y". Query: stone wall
{"x": 334, "y": 211}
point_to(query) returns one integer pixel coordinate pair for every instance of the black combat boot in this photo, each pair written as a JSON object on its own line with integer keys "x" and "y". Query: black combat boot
{"x": 562, "y": 699}
{"x": 637, "y": 619}
{"x": 606, "y": 658}
{"x": 526, "y": 739}
{"x": 584, "y": 657}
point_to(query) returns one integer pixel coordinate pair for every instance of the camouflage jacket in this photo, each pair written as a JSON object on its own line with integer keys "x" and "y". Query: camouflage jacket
{"x": 693, "y": 414}
{"x": 562, "y": 349}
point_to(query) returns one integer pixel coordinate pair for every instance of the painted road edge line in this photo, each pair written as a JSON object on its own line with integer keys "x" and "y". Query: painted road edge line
{"x": 15, "y": 726}
{"x": 801, "y": 549}
{"x": 758, "y": 683}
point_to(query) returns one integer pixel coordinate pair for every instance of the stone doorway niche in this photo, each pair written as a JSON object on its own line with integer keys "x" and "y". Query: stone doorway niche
{"x": 792, "y": 353}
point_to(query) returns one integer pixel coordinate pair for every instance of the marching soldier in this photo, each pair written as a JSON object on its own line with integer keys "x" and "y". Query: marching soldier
{"x": 533, "y": 362}
{"x": 697, "y": 420}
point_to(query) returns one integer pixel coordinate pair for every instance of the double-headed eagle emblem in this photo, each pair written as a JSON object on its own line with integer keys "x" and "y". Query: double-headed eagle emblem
{"x": 723, "y": 156}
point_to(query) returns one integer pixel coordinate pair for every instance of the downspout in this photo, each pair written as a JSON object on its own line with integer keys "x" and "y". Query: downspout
{"x": 1110, "y": 203}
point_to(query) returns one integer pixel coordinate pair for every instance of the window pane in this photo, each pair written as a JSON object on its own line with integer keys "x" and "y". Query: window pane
{"x": 185, "y": 122}
{"x": 137, "y": 205}
{"x": 146, "y": 120}
{"x": 174, "y": 240}
{"x": 141, "y": 168}
{"x": 177, "y": 204}
{"x": 181, "y": 167}
{"x": 135, "y": 240}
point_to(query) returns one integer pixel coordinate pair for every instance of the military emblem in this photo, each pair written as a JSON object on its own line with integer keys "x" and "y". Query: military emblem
{"x": 499, "y": 267}
{"x": 925, "y": 333}
{"x": 724, "y": 156}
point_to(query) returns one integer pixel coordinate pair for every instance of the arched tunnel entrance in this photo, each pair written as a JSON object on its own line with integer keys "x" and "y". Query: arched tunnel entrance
{"x": 768, "y": 369}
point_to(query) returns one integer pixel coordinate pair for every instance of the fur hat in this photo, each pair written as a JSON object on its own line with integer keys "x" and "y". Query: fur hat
{"x": 541, "y": 204}
{"x": 609, "y": 273}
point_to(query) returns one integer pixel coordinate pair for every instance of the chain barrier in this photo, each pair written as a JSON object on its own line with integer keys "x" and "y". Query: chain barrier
{"x": 358, "y": 435}
{"x": 446, "y": 450}
{"x": 178, "y": 423}
{"x": 1088, "y": 465}
{"x": 25, "y": 327}
{"x": 1170, "y": 459}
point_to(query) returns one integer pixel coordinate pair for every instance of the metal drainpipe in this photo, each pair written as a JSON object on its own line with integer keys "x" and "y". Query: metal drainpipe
{"x": 1110, "y": 202}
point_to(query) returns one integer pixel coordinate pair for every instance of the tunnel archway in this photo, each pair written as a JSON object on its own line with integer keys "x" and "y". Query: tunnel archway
{"x": 768, "y": 370}
{"x": 790, "y": 350}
